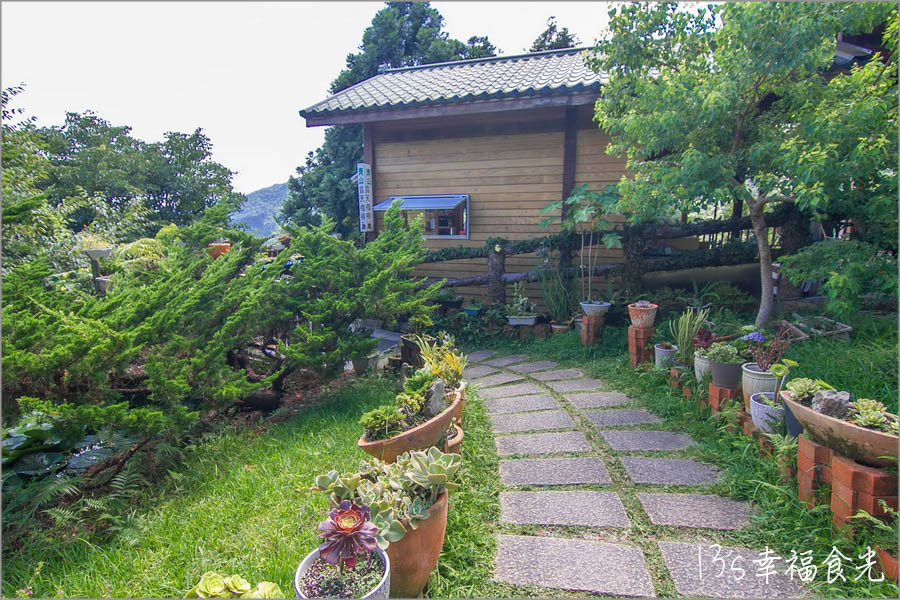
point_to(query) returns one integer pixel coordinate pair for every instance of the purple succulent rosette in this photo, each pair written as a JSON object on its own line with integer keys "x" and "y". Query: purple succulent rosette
{"x": 348, "y": 534}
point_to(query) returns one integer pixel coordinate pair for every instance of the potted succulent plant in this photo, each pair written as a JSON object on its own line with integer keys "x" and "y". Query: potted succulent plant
{"x": 408, "y": 500}
{"x": 522, "y": 311}
{"x": 445, "y": 361}
{"x": 703, "y": 339}
{"x": 642, "y": 314}
{"x": 213, "y": 585}
{"x": 725, "y": 362}
{"x": 757, "y": 376}
{"x": 334, "y": 569}
{"x": 416, "y": 419}
{"x": 447, "y": 299}
{"x": 664, "y": 354}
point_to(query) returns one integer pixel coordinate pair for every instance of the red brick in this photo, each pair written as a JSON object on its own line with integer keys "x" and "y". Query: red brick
{"x": 806, "y": 466}
{"x": 749, "y": 428}
{"x": 846, "y": 495}
{"x": 872, "y": 505}
{"x": 817, "y": 452}
{"x": 541, "y": 330}
{"x": 841, "y": 512}
{"x": 686, "y": 391}
{"x": 805, "y": 488}
{"x": 877, "y": 482}
{"x": 591, "y": 328}
{"x": 825, "y": 474}
{"x": 526, "y": 332}
{"x": 718, "y": 396}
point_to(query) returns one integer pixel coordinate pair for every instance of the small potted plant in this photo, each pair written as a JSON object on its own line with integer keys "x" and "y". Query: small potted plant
{"x": 725, "y": 364}
{"x": 522, "y": 311}
{"x": 664, "y": 354}
{"x": 757, "y": 375}
{"x": 684, "y": 330}
{"x": 334, "y": 569}
{"x": 474, "y": 308}
{"x": 642, "y": 314}
{"x": 213, "y": 585}
{"x": 446, "y": 362}
{"x": 447, "y": 299}
{"x": 703, "y": 339}
{"x": 94, "y": 246}
{"x": 595, "y": 308}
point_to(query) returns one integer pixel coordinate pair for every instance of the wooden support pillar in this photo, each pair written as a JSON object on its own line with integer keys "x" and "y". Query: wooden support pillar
{"x": 496, "y": 262}
{"x": 570, "y": 138}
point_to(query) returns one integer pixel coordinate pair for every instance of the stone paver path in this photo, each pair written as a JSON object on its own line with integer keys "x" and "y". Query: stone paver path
{"x": 609, "y": 489}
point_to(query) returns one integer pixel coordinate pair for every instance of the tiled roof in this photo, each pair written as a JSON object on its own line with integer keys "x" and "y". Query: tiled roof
{"x": 539, "y": 73}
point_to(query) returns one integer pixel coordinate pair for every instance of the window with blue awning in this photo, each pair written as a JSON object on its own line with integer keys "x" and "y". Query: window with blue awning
{"x": 446, "y": 216}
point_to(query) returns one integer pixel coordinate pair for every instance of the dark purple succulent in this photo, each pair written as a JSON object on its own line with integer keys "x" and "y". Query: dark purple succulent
{"x": 348, "y": 534}
{"x": 704, "y": 338}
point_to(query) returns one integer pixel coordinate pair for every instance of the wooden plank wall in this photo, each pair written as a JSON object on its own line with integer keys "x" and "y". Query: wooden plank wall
{"x": 510, "y": 164}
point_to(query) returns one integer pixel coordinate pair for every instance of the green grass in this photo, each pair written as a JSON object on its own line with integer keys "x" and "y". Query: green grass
{"x": 866, "y": 366}
{"x": 243, "y": 506}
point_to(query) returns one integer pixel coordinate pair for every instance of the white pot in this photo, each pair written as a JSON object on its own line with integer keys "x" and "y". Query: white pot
{"x": 525, "y": 320}
{"x": 756, "y": 381}
{"x": 95, "y": 253}
{"x": 595, "y": 309}
{"x": 380, "y": 591}
{"x": 702, "y": 367}
{"x": 664, "y": 356}
{"x": 764, "y": 416}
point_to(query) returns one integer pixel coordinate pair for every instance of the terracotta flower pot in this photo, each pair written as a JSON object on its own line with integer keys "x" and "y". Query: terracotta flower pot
{"x": 418, "y": 438}
{"x": 845, "y": 438}
{"x": 642, "y": 317}
{"x": 888, "y": 563}
{"x": 414, "y": 557}
{"x": 217, "y": 249}
{"x": 454, "y": 444}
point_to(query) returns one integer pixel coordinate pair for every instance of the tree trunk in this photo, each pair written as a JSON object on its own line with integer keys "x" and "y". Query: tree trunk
{"x": 795, "y": 235}
{"x": 736, "y": 209}
{"x": 633, "y": 269}
{"x": 761, "y": 231}
{"x": 496, "y": 288}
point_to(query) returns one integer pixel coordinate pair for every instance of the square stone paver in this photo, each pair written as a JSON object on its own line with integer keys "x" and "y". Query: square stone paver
{"x": 669, "y": 471}
{"x": 533, "y": 421}
{"x": 576, "y": 565}
{"x": 558, "y": 374}
{"x": 588, "y": 509}
{"x": 576, "y": 385}
{"x": 507, "y": 391}
{"x": 477, "y": 371}
{"x": 497, "y": 379}
{"x": 695, "y": 573}
{"x": 504, "y": 361}
{"x": 479, "y": 356}
{"x": 553, "y": 471}
{"x": 694, "y": 510}
{"x": 542, "y": 443}
{"x": 539, "y": 365}
{"x": 629, "y": 441}
{"x": 617, "y": 417}
{"x": 597, "y": 399}
{"x": 520, "y": 404}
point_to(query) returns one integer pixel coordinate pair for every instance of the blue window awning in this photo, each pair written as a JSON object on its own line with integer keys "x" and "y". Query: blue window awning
{"x": 424, "y": 202}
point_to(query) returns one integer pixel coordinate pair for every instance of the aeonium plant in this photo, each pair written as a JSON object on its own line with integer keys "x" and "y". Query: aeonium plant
{"x": 348, "y": 534}
{"x": 213, "y": 585}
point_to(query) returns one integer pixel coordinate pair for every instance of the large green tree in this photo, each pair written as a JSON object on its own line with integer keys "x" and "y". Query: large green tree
{"x": 554, "y": 38}
{"x": 734, "y": 105}
{"x": 402, "y": 34}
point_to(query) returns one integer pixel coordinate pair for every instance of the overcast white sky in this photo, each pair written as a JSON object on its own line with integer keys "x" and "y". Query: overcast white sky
{"x": 238, "y": 70}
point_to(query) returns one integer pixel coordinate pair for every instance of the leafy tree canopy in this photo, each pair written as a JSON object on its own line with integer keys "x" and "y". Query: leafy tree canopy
{"x": 735, "y": 103}
{"x": 402, "y": 34}
{"x": 554, "y": 38}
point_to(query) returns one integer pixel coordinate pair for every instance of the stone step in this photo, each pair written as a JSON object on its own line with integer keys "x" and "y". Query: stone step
{"x": 497, "y": 379}
{"x": 520, "y": 404}
{"x": 630, "y": 441}
{"x": 586, "y": 509}
{"x": 478, "y": 371}
{"x": 533, "y": 421}
{"x": 694, "y": 510}
{"x": 508, "y": 391}
{"x": 669, "y": 471}
{"x": 576, "y": 565}
{"x": 479, "y": 356}
{"x": 553, "y": 471}
{"x": 575, "y": 385}
{"x": 597, "y": 399}
{"x": 619, "y": 417}
{"x": 542, "y": 443}
{"x": 557, "y": 375}
{"x": 540, "y": 365}
{"x": 504, "y": 361}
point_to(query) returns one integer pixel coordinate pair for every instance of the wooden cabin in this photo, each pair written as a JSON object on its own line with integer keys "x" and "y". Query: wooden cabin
{"x": 478, "y": 147}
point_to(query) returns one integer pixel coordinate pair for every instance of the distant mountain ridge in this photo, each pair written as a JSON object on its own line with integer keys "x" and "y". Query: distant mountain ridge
{"x": 261, "y": 208}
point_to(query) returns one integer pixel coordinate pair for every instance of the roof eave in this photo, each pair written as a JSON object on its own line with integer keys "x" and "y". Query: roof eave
{"x": 445, "y": 108}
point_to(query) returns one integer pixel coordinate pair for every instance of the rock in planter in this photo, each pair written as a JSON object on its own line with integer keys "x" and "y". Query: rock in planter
{"x": 436, "y": 401}
{"x": 379, "y": 591}
{"x": 831, "y": 403}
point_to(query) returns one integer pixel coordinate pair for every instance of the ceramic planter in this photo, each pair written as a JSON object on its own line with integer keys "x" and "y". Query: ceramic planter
{"x": 859, "y": 443}
{"x": 702, "y": 367}
{"x": 595, "y": 309}
{"x": 764, "y": 416}
{"x": 726, "y": 375}
{"x": 103, "y": 283}
{"x": 472, "y": 311}
{"x": 380, "y": 591}
{"x": 642, "y": 317}
{"x": 95, "y": 253}
{"x": 217, "y": 249}
{"x": 418, "y": 438}
{"x": 696, "y": 309}
{"x": 664, "y": 356}
{"x": 794, "y": 427}
{"x": 454, "y": 444}
{"x": 414, "y": 557}
{"x": 755, "y": 381}
{"x": 523, "y": 320}
{"x": 557, "y": 328}
{"x": 888, "y": 563}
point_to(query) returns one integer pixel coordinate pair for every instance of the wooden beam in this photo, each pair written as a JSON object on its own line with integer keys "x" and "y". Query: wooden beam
{"x": 439, "y": 110}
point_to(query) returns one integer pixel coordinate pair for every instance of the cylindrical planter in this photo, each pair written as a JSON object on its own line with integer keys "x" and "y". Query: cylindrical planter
{"x": 413, "y": 558}
{"x": 794, "y": 427}
{"x": 380, "y": 591}
{"x": 472, "y": 311}
{"x": 888, "y": 563}
{"x": 418, "y": 438}
{"x": 557, "y": 328}
{"x": 642, "y": 316}
{"x": 664, "y": 356}
{"x": 764, "y": 416}
{"x": 527, "y": 320}
{"x": 595, "y": 309}
{"x": 103, "y": 283}
{"x": 755, "y": 381}
{"x": 726, "y": 375}
{"x": 454, "y": 444}
{"x": 702, "y": 367}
